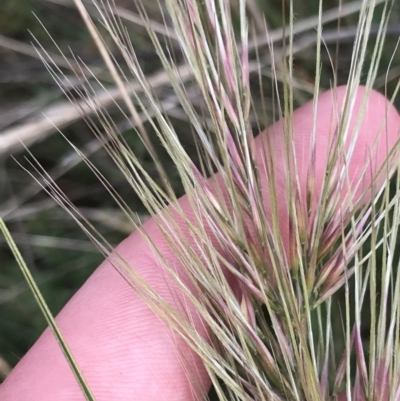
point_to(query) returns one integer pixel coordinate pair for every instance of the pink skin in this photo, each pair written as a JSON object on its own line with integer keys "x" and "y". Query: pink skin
{"x": 124, "y": 350}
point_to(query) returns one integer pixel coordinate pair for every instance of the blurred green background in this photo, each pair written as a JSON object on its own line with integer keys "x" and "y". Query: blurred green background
{"x": 57, "y": 251}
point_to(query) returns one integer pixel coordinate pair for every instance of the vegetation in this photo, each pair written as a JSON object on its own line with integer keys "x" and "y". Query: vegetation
{"x": 318, "y": 307}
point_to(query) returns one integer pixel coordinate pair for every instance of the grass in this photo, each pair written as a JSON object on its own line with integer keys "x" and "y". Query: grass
{"x": 209, "y": 101}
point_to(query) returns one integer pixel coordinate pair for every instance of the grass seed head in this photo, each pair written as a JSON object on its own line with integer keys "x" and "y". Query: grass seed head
{"x": 264, "y": 256}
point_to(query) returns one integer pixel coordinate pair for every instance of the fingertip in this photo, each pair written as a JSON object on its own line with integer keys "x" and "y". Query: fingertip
{"x": 376, "y": 125}
{"x": 375, "y": 113}
{"x": 366, "y": 120}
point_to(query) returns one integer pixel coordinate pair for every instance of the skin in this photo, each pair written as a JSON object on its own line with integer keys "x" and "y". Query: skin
{"x": 123, "y": 349}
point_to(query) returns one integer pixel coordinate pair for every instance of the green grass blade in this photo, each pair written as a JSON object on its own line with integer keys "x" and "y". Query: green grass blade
{"x": 46, "y": 312}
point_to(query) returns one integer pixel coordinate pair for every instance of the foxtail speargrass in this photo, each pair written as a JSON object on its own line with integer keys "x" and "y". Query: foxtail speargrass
{"x": 273, "y": 226}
